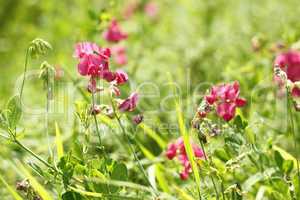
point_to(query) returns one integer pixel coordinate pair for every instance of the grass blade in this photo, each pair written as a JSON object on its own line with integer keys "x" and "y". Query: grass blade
{"x": 187, "y": 145}
{"x": 58, "y": 142}
{"x": 34, "y": 183}
{"x": 153, "y": 135}
{"x": 10, "y": 189}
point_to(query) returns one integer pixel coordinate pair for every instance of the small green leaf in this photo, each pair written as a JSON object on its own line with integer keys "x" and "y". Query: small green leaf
{"x": 278, "y": 159}
{"x": 119, "y": 172}
{"x": 14, "y": 111}
{"x": 71, "y": 196}
{"x": 287, "y": 166}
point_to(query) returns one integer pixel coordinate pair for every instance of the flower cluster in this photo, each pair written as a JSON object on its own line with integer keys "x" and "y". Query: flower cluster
{"x": 178, "y": 149}
{"x": 289, "y": 62}
{"x": 225, "y": 98}
{"x": 94, "y": 62}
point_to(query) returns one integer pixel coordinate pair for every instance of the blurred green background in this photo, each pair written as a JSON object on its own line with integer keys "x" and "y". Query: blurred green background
{"x": 206, "y": 41}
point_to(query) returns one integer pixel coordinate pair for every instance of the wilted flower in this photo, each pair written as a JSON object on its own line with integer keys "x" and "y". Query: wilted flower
{"x": 137, "y": 119}
{"x": 178, "y": 149}
{"x": 226, "y": 98}
{"x": 289, "y": 62}
{"x": 114, "y": 32}
{"x": 92, "y": 86}
{"x": 95, "y": 110}
{"x": 93, "y": 60}
{"x": 119, "y": 55}
{"x": 129, "y": 104}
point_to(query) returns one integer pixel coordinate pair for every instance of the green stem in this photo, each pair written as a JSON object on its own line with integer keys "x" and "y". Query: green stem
{"x": 24, "y": 74}
{"x": 209, "y": 162}
{"x": 34, "y": 155}
{"x": 48, "y": 86}
{"x": 290, "y": 113}
{"x": 95, "y": 120}
{"x": 130, "y": 146}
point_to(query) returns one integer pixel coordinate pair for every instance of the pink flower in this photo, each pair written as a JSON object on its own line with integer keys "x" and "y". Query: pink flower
{"x": 130, "y": 103}
{"x": 92, "y": 58}
{"x": 114, "y": 33}
{"x": 171, "y": 151}
{"x": 178, "y": 149}
{"x": 121, "y": 77}
{"x": 289, "y": 62}
{"x": 151, "y": 9}
{"x": 119, "y": 54}
{"x": 226, "y": 98}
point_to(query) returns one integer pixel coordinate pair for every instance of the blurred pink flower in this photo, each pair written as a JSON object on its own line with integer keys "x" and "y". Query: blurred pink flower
{"x": 114, "y": 32}
{"x": 119, "y": 55}
{"x": 178, "y": 149}
{"x": 151, "y": 9}
{"x": 129, "y": 104}
{"x": 226, "y": 98}
{"x": 289, "y": 62}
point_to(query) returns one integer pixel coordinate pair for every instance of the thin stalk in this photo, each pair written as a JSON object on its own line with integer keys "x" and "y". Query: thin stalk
{"x": 48, "y": 86}
{"x": 209, "y": 162}
{"x": 289, "y": 105}
{"x": 95, "y": 120}
{"x": 24, "y": 74}
{"x": 130, "y": 146}
{"x": 34, "y": 155}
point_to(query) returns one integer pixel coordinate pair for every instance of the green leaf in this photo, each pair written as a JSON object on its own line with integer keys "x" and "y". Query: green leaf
{"x": 287, "y": 166}
{"x": 119, "y": 172}
{"x": 278, "y": 159}
{"x": 285, "y": 154}
{"x": 71, "y": 196}
{"x": 58, "y": 142}
{"x": 14, "y": 111}
{"x": 222, "y": 154}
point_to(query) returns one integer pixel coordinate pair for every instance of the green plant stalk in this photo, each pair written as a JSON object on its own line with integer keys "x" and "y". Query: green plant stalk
{"x": 290, "y": 113}
{"x": 96, "y": 121}
{"x": 131, "y": 147}
{"x": 48, "y": 87}
{"x": 209, "y": 162}
{"x": 24, "y": 74}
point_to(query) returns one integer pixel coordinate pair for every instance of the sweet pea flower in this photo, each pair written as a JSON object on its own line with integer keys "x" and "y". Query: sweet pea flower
{"x": 120, "y": 77}
{"x": 119, "y": 55}
{"x": 178, "y": 149}
{"x": 114, "y": 32}
{"x": 129, "y": 104}
{"x": 289, "y": 62}
{"x": 226, "y": 98}
{"x": 92, "y": 59}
